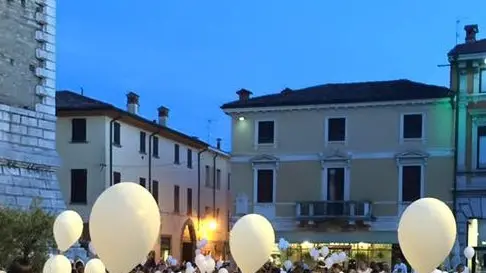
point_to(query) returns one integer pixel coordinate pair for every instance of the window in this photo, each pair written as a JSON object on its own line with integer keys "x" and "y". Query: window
{"x": 189, "y": 158}
{"x": 336, "y": 129}
{"x": 155, "y": 190}
{"x": 265, "y": 186}
{"x": 155, "y": 146}
{"x": 482, "y": 81}
{"x": 481, "y": 147}
{"x": 143, "y": 142}
{"x": 335, "y": 184}
{"x": 189, "y": 202}
{"x": 229, "y": 181}
{"x": 78, "y": 130}
{"x": 176, "y": 199}
{"x": 165, "y": 246}
{"x": 116, "y": 177}
{"x": 116, "y": 133}
{"x": 266, "y": 132}
{"x": 177, "y": 154}
{"x": 218, "y": 179}
{"x": 412, "y": 126}
{"x": 411, "y": 183}
{"x": 207, "y": 181}
{"x": 143, "y": 182}
{"x": 79, "y": 186}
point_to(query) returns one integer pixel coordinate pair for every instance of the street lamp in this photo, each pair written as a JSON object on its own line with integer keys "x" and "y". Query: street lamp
{"x": 212, "y": 225}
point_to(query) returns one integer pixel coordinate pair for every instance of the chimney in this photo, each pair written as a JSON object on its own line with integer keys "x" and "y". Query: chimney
{"x": 163, "y": 115}
{"x": 132, "y": 103}
{"x": 218, "y": 143}
{"x": 243, "y": 94}
{"x": 471, "y": 31}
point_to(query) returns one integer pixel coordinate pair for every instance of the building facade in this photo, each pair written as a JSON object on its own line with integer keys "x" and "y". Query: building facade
{"x": 337, "y": 164}
{"x": 468, "y": 78}
{"x": 102, "y": 145}
{"x": 28, "y": 155}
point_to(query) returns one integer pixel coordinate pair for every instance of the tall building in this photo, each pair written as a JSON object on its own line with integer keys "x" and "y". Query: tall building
{"x": 102, "y": 145}
{"x": 28, "y": 155}
{"x": 337, "y": 164}
{"x": 468, "y": 78}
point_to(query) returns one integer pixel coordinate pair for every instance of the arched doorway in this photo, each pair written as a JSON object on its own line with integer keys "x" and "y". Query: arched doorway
{"x": 188, "y": 241}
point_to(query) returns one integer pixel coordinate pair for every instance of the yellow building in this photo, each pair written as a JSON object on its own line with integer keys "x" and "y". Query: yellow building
{"x": 337, "y": 164}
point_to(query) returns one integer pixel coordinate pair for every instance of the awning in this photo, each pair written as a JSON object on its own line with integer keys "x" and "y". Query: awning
{"x": 376, "y": 237}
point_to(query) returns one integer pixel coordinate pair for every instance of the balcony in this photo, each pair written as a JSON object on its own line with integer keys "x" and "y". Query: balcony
{"x": 327, "y": 210}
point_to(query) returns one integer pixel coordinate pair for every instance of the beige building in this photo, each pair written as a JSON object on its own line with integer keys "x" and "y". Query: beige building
{"x": 336, "y": 164}
{"x": 468, "y": 76}
{"x": 188, "y": 178}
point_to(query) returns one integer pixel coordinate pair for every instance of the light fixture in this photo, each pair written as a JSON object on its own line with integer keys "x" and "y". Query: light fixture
{"x": 241, "y": 118}
{"x": 213, "y": 225}
{"x": 484, "y": 60}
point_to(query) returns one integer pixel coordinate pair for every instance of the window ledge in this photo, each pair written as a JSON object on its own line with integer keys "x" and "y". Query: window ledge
{"x": 412, "y": 140}
{"x": 340, "y": 142}
{"x": 155, "y": 156}
{"x": 143, "y": 153}
{"x": 116, "y": 145}
{"x": 177, "y": 163}
{"x": 78, "y": 203}
{"x": 78, "y": 142}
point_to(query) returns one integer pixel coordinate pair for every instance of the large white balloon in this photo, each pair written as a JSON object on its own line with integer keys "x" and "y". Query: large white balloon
{"x": 57, "y": 264}
{"x": 426, "y": 233}
{"x": 210, "y": 264}
{"x": 252, "y": 239}
{"x": 94, "y": 266}
{"x": 200, "y": 262}
{"x": 223, "y": 270}
{"x": 124, "y": 226}
{"x": 68, "y": 227}
{"x": 469, "y": 252}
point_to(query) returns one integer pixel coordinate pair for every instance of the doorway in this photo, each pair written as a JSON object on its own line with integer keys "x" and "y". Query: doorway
{"x": 335, "y": 192}
{"x": 188, "y": 241}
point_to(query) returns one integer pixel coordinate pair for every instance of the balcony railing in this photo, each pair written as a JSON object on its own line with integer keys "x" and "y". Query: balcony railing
{"x": 321, "y": 210}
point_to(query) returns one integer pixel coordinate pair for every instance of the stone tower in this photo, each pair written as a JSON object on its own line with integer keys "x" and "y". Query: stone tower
{"x": 28, "y": 157}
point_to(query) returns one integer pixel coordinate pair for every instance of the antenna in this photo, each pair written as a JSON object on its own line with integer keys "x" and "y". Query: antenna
{"x": 458, "y": 23}
{"x": 210, "y": 121}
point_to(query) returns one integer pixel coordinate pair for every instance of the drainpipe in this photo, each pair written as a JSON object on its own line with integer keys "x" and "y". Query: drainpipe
{"x": 199, "y": 188}
{"x": 151, "y": 136}
{"x": 214, "y": 186}
{"x": 455, "y": 65}
{"x": 112, "y": 121}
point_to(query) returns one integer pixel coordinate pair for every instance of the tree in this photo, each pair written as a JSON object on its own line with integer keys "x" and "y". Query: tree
{"x": 25, "y": 234}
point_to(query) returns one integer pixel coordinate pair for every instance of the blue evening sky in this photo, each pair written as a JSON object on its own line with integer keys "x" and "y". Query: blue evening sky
{"x": 191, "y": 56}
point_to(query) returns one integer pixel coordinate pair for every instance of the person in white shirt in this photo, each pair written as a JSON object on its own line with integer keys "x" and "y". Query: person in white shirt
{"x": 363, "y": 267}
{"x": 400, "y": 267}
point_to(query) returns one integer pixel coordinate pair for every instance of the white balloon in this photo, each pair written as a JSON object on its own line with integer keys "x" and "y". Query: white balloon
{"x": 189, "y": 269}
{"x": 219, "y": 264}
{"x": 469, "y": 252}
{"x": 57, "y": 264}
{"x": 198, "y": 251}
{"x": 91, "y": 248}
{"x": 426, "y": 233}
{"x": 210, "y": 264}
{"x": 252, "y": 239}
{"x": 437, "y": 271}
{"x": 200, "y": 262}
{"x": 94, "y": 266}
{"x": 328, "y": 262}
{"x": 173, "y": 262}
{"x": 132, "y": 210}
{"x": 342, "y": 256}
{"x": 324, "y": 251}
{"x": 67, "y": 229}
{"x": 223, "y": 270}
{"x": 287, "y": 265}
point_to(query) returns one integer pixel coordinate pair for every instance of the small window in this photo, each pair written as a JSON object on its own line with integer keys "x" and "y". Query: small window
{"x": 336, "y": 129}
{"x": 177, "y": 154}
{"x": 482, "y": 81}
{"x": 218, "y": 179}
{"x": 207, "y": 180}
{"x": 116, "y": 177}
{"x": 189, "y": 202}
{"x": 143, "y": 182}
{"x": 481, "y": 147}
{"x": 229, "y": 181}
{"x": 176, "y": 199}
{"x": 155, "y": 146}
{"x": 155, "y": 190}
{"x": 266, "y": 132}
{"x": 189, "y": 158}
{"x": 143, "y": 142}
{"x": 79, "y": 186}
{"x": 78, "y": 130}
{"x": 116, "y": 133}
{"x": 412, "y": 126}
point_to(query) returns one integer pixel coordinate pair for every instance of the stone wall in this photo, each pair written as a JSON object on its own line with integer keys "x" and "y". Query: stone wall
{"x": 28, "y": 157}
